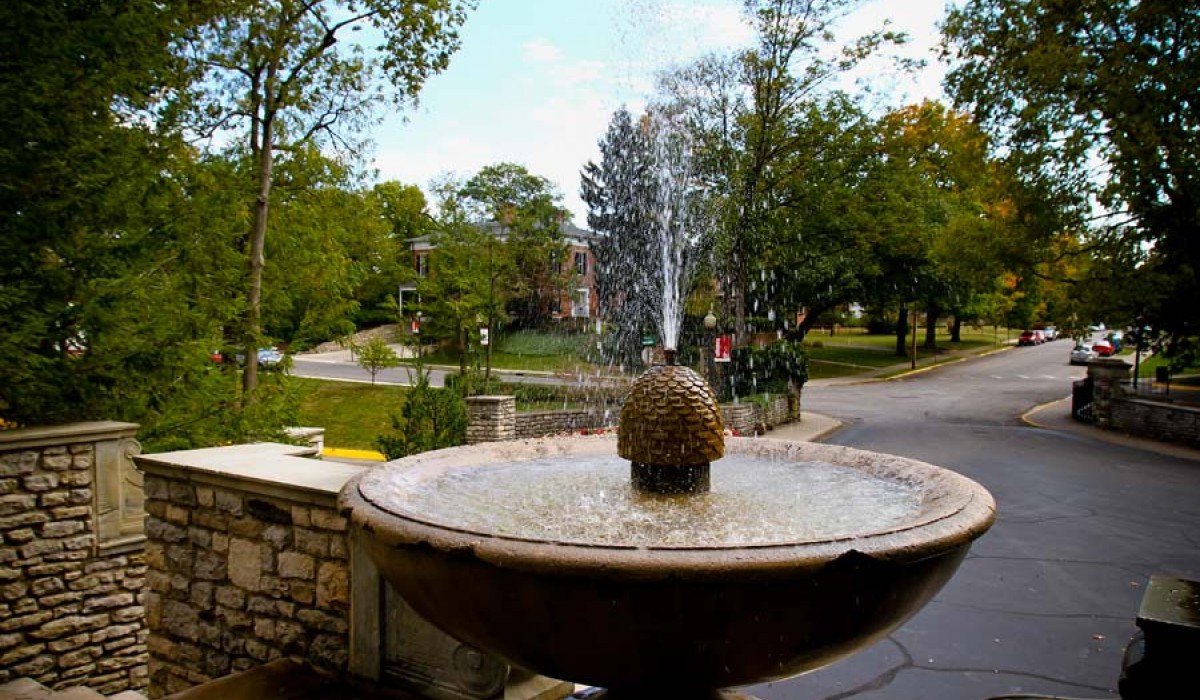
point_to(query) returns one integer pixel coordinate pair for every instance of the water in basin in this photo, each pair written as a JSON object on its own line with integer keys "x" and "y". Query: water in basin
{"x": 588, "y": 500}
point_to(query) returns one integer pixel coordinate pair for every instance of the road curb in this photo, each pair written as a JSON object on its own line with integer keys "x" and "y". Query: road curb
{"x": 1071, "y": 426}
{"x": 347, "y": 453}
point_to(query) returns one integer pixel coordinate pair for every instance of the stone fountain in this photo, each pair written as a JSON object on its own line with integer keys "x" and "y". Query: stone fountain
{"x": 717, "y": 563}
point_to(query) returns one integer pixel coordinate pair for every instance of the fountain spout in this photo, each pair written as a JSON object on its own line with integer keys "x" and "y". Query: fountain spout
{"x": 671, "y": 430}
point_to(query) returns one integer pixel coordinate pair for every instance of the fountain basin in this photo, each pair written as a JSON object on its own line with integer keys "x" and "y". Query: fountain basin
{"x": 649, "y": 619}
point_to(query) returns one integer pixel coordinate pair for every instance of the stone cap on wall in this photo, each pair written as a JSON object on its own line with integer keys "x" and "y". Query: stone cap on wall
{"x": 269, "y": 468}
{"x": 65, "y": 434}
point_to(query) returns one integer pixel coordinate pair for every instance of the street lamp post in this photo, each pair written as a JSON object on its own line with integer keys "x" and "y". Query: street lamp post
{"x": 710, "y": 324}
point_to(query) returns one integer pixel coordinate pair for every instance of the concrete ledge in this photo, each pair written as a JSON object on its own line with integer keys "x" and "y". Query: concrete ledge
{"x": 64, "y": 434}
{"x": 283, "y": 471}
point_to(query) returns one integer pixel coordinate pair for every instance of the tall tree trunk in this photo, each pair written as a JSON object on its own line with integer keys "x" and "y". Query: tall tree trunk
{"x": 931, "y": 319}
{"x": 956, "y": 330}
{"x": 462, "y": 357}
{"x": 902, "y": 332}
{"x": 811, "y": 316}
{"x": 258, "y": 238}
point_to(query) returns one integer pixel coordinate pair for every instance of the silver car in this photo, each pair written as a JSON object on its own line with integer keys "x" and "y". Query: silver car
{"x": 1082, "y": 354}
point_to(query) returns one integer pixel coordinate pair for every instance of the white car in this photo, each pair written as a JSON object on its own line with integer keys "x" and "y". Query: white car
{"x": 1083, "y": 354}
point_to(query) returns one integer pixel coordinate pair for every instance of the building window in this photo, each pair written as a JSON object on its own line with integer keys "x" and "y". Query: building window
{"x": 580, "y": 306}
{"x": 581, "y": 263}
{"x": 422, "y": 264}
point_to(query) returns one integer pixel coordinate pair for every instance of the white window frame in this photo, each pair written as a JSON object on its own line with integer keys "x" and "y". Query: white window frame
{"x": 581, "y": 306}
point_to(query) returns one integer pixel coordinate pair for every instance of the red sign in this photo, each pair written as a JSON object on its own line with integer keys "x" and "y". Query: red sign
{"x": 722, "y": 348}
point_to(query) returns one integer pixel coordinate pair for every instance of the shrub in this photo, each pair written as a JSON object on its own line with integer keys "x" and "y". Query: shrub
{"x": 429, "y": 420}
{"x": 777, "y": 368}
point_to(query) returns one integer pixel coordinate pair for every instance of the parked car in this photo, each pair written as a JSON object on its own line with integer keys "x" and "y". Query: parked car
{"x": 1028, "y": 338}
{"x": 1103, "y": 348}
{"x": 1082, "y": 354}
{"x": 1051, "y": 332}
{"x": 267, "y": 357}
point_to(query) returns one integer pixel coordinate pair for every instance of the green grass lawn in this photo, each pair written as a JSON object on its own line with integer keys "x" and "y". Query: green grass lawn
{"x": 847, "y": 354}
{"x": 524, "y": 351}
{"x": 352, "y": 414}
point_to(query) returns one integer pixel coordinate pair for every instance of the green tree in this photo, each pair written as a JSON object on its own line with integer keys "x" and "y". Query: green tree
{"x": 615, "y": 191}
{"x": 403, "y": 211}
{"x": 376, "y": 356}
{"x": 329, "y": 245}
{"x": 88, "y": 213}
{"x": 430, "y": 419}
{"x": 282, "y": 74}
{"x": 527, "y": 212}
{"x": 745, "y": 110}
{"x": 466, "y": 286}
{"x": 1095, "y": 100}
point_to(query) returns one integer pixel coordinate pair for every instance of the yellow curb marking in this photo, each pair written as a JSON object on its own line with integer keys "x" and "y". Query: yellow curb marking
{"x": 354, "y": 454}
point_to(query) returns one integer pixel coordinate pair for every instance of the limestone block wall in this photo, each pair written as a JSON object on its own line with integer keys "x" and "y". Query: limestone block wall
{"x": 537, "y": 424}
{"x": 491, "y": 418}
{"x": 495, "y": 418}
{"x": 71, "y": 561}
{"x": 748, "y": 418}
{"x": 1156, "y": 419}
{"x": 247, "y": 562}
{"x": 740, "y": 418}
{"x": 776, "y": 412}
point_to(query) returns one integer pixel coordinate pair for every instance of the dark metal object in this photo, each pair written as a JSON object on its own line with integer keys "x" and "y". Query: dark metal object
{"x": 1082, "y": 398}
{"x": 1160, "y": 662}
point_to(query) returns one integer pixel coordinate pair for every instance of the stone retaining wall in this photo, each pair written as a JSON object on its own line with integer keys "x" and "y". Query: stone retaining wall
{"x": 542, "y": 423}
{"x": 741, "y": 418}
{"x": 71, "y": 561}
{"x": 491, "y": 418}
{"x": 242, "y": 571}
{"x": 753, "y": 418}
{"x": 495, "y": 418}
{"x": 250, "y": 562}
{"x": 1114, "y": 407}
{"x": 1157, "y": 419}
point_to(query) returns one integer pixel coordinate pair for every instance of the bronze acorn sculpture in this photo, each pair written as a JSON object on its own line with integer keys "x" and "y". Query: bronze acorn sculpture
{"x": 671, "y": 429}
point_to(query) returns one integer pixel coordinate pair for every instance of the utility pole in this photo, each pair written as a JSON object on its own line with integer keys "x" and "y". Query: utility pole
{"x": 914, "y": 336}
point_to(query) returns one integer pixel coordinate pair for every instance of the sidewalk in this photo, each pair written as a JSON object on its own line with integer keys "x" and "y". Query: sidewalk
{"x": 1056, "y": 416}
{"x": 812, "y": 427}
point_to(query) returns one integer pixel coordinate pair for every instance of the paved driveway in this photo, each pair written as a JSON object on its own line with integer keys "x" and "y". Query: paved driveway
{"x": 1046, "y": 601}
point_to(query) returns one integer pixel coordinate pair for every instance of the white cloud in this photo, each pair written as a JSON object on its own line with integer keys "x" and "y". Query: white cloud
{"x": 541, "y": 51}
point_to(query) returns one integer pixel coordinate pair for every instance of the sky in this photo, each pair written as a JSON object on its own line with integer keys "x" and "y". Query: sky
{"x": 537, "y": 81}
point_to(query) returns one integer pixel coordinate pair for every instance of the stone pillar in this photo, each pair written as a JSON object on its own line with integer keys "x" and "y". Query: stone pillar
{"x": 248, "y": 562}
{"x": 72, "y": 566}
{"x": 740, "y": 417}
{"x": 1106, "y": 375}
{"x": 491, "y": 419}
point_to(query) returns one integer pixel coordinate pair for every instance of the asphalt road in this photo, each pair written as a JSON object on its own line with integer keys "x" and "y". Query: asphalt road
{"x": 1046, "y": 601}
{"x": 335, "y": 367}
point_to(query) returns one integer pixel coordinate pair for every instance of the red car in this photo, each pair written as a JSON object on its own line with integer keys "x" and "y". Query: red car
{"x": 1103, "y": 348}
{"x": 1029, "y": 338}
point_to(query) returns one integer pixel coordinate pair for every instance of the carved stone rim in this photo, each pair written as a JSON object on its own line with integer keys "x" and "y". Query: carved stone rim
{"x": 955, "y": 511}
